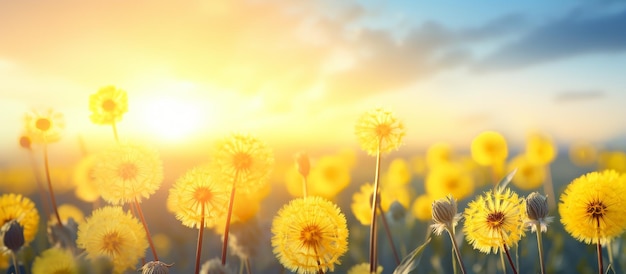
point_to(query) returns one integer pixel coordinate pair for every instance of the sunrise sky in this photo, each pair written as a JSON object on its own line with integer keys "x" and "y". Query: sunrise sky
{"x": 301, "y": 72}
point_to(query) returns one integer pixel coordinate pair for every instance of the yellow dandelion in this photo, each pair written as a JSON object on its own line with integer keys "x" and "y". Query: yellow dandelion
{"x": 398, "y": 174}
{"x": 108, "y": 105}
{"x": 67, "y": 211}
{"x": 615, "y": 160}
{"x": 123, "y": 240}
{"x": 583, "y": 154}
{"x": 126, "y": 173}
{"x": 489, "y": 148}
{"x": 364, "y": 268}
{"x": 309, "y": 235}
{"x": 422, "y": 207}
{"x": 162, "y": 243}
{"x": 528, "y": 176}
{"x": 84, "y": 179}
{"x": 17, "y": 207}
{"x": 418, "y": 164}
{"x": 329, "y": 176}
{"x": 379, "y": 129}
{"x": 198, "y": 196}
{"x": 439, "y": 153}
{"x": 244, "y": 159}
{"x": 540, "y": 149}
{"x": 391, "y": 194}
{"x": 55, "y": 261}
{"x": 243, "y": 212}
{"x": 449, "y": 179}
{"x": 44, "y": 126}
{"x": 362, "y": 204}
{"x": 593, "y": 208}
{"x": 494, "y": 220}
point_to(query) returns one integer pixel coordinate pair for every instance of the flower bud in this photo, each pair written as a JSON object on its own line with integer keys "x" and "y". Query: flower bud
{"x": 444, "y": 214}
{"x": 303, "y": 164}
{"x": 13, "y": 235}
{"x": 536, "y": 206}
{"x": 155, "y": 267}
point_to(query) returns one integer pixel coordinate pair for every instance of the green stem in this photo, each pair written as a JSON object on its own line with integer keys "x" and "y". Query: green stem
{"x": 15, "y": 265}
{"x": 456, "y": 250}
{"x": 372, "y": 256}
{"x": 228, "y": 216}
{"x": 609, "y": 248}
{"x": 47, "y": 167}
{"x": 199, "y": 247}
{"x": 388, "y": 232}
{"x": 248, "y": 268}
{"x": 548, "y": 188}
{"x": 540, "y": 247}
{"x": 145, "y": 227}
{"x": 117, "y": 138}
{"x": 40, "y": 186}
{"x": 599, "y": 248}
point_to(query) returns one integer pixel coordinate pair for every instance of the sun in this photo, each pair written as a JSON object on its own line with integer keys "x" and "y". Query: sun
{"x": 171, "y": 118}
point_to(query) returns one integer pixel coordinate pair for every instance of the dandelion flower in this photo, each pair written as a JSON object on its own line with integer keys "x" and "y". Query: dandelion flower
{"x": 495, "y": 219}
{"x": 592, "y": 207}
{"x": 362, "y": 204}
{"x": 198, "y": 196}
{"x": 398, "y": 174}
{"x": 244, "y": 159}
{"x": 108, "y": 105}
{"x": 44, "y": 126}
{"x": 20, "y": 208}
{"x": 309, "y": 235}
{"x": 364, "y": 268}
{"x": 127, "y": 173}
{"x": 122, "y": 240}
{"x": 83, "y": 177}
{"x": 439, "y": 153}
{"x": 489, "y": 148}
{"x": 422, "y": 207}
{"x": 328, "y": 177}
{"x": 55, "y": 261}
{"x": 583, "y": 154}
{"x": 379, "y": 129}
{"x": 449, "y": 179}
{"x": 540, "y": 149}
{"x": 528, "y": 176}
{"x": 615, "y": 160}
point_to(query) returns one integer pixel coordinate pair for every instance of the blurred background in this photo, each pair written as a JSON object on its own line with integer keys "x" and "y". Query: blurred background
{"x": 299, "y": 73}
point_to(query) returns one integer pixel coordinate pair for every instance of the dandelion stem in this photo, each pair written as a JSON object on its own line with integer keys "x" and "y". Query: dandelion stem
{"x": 508, "y": 256}
{"x": 199, "y": 247}
{"x": 456, "y": 250}
{"x": 609, "y": 249}
{"x": 540, "y": 247}
{"x": 117, "y": 138}
{"x": 599, "y": 248}
{"x": 248, "y": 268}
{"x": 40, "y": 186}
{"x": 145, "y": 226}
{"x": 373, "y": 246}
{"x": 54, "y": 201}
{"x": 388, "y": 232}
{"x": 548, "y": 188}
{"x": 228, "y": 216}
{"x": 503, "y": 263}
{"x": 15, "y": 265}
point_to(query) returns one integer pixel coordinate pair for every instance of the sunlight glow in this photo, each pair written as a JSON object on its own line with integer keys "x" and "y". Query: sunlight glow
{"x": 172, "y": 118}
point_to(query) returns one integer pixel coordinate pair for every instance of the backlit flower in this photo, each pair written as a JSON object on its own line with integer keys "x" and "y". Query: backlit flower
{"x": 528, "y": 176}
{"x": 422, "y": 207}
{"x": 329, "y": 176}
{"x": 439, "y": 153}
{"x": 55, "y": 261}
{"x": 398, "y": 174}
{"x": 83, "y": 177}
{"x": 489, "y": 148}
{"x": 615, "y": 160}
{"x": 583, "y": 154}
{"x": 20, "y": 208}
{"x": 111, "y": 233}
{"x": 540, "y": 149}
{"x": 495, "y": 219}
{"x": 379, "y": 129}
{"x": 67, "y": 211}
{"x": 108, "y": 105}
{"x": 44, "y": 126}
{"x": 309, "y": 235}
{"x": 245, "y": 159}
{"x": 593, "y": 208}
{"x": 125, "y": 173}
{"x": 197, "y": 196}
{"x": 449, "y": 179}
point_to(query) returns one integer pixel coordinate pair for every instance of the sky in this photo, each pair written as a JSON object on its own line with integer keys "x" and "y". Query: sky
{"x": 300, "y": 73}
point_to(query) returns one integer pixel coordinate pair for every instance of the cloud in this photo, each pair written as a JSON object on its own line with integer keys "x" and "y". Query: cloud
{"x": 571, "y": 35}
{"x": 578, "y": 95}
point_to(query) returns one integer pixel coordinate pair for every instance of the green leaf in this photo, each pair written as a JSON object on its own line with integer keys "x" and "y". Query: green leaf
{"x": 411, "y": 261}
{"x": 505, "y": 181}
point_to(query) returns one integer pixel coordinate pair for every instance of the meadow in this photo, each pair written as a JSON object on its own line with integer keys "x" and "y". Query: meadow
{"x": 250, "y": 208}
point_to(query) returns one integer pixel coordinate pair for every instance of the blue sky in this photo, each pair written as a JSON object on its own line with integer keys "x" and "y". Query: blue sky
{"x": 284, "y": 69}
